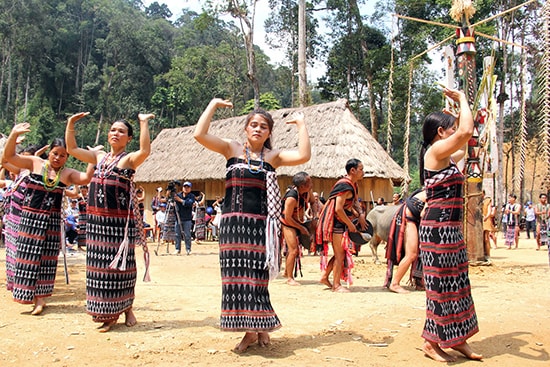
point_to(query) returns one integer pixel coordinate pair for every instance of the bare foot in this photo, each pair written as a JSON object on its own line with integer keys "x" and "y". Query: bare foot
{"x": 326, "y": 282}
{"x": 106, "y": 326}
{"x": 433, "y": 351}
{"x": 465, "y": 349}
{"x": 39, "y": 305}
{"x": 263, "y": 339}
{"x": 130, "y": 318}
{"x": 247, "y": 340}
{"x": 341, "y": 289}
{"x": 291, "y": 281}
{"x": 396, "y": 288}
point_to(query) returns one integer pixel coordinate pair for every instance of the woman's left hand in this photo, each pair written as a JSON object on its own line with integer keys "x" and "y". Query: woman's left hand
{"x": 297, "y": 118}
{"x": 145, "y": 116}
{"x": 77, "y": 116}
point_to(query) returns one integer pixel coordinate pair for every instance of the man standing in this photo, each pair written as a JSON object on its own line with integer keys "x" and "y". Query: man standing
{"x": 530, "y": 220}
{"x": 512, "y": 230}
{"x": 185, "y": 200}
{"x": 292, "y": 220}
{"x": 335, "y": 219}
{"x": 541, "y": 212}
{"x": 396, "y": 199}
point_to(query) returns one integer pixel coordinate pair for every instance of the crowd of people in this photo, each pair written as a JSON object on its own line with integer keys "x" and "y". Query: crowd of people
{"x": 254, "y": 225}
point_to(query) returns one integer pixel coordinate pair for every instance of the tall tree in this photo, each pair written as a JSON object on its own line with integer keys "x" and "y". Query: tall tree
{"x": 282, "y": 33}
{"x": 245, "y": 12}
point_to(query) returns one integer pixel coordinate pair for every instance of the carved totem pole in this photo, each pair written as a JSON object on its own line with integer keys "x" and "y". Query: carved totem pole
{"x": 461, "y": 12}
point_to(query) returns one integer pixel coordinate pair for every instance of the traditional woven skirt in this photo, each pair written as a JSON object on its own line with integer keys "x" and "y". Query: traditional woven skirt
{"x": 246, "y": 305}
{"x": 82, "y": 219}
{"x": 169, "y": 228}
{"x": 543, "y": 235}
{"x": 109, "y": 292}
{"x": 12, "y": 218}
{"x": 38, "y": 241}
{"x": 450, "y": 313}
{"x": 510, "y": 235}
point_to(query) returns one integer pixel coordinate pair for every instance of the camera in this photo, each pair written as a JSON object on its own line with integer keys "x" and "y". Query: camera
{"x": 172, "y": 189}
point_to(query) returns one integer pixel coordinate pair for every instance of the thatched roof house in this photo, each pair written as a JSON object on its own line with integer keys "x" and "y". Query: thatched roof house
{"x": 336, "y": 136}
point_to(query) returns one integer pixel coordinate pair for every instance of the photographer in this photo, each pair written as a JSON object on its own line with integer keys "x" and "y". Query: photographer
{"x": 185, "y": 200}
{"x": 169, "y": 230}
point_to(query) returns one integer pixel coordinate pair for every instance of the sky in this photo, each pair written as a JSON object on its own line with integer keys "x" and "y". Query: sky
{"x": 262, "y": 11}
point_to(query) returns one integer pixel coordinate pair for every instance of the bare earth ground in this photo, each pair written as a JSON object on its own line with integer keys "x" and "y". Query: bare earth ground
{"x": 178, "y": 318}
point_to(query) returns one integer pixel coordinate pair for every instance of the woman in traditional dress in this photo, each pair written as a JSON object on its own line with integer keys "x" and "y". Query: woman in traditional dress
{"x": 13, "y": 197}
{"x": 114, "y": 225}
{"x": 450, "y": 314}
{"x": 39, "y": 229}
{"x": 249, "y": 229}
{"x": 82, "y": 203}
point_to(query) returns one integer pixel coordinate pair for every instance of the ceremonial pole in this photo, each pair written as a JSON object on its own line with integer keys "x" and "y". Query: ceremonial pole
{"x": 465, "y": 56}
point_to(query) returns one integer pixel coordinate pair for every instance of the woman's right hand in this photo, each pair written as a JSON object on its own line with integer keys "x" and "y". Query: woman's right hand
{"x": 455, "y": 94}
{"x": 77, "y": 116}
{"x": 21, "y": 128}
{"x": 221, "y": 103}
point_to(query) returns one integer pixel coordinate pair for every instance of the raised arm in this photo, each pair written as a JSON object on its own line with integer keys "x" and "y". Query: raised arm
{"x": 84, "y": 155}
{"x": 455, "y": 145}
{"x": 210, "y": 141}
{"x": 9, "y": 156}
{"x": 303, "y": 154}
{"x": 136, "y": 158}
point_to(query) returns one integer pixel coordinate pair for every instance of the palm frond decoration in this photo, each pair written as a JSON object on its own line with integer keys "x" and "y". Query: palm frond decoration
{"x": 523, "y": 127}
{"x": 462, "y": 8}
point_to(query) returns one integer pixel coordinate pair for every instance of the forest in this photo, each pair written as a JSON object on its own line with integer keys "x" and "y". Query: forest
{"x": 115, "y": 58}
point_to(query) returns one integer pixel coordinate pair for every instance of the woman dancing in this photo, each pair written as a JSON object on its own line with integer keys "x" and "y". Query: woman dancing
{"x": 450, "y": 314}
{"x": 39, "y": 229}
{"x": 249, "y": 232}
{"x": 114, "y": 224}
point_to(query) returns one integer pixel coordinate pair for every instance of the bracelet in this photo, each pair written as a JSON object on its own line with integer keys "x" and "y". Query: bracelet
{"x": 71, "y": 130}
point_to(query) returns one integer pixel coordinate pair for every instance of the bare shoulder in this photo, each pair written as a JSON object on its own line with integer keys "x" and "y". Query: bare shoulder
{"x": 235, "y": 148}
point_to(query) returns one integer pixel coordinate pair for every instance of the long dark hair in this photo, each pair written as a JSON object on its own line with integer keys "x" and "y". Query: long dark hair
{"x": 267, "y": 116}
{"x": 432, "y": 123}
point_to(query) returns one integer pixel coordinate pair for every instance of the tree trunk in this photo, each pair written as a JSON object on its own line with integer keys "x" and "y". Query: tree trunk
{"x": 27, "y": 87}
{"x": 372, "y": 109}
{"x": 302, "y": 81}
{"x": 98, "y": 132}
{"x": 247, "y": 27}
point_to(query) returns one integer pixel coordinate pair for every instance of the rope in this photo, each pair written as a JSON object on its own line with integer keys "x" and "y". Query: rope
{"x": 523, "y": 133}
{"x": 544, "y": 99}
{"x": 408, "y": 129}
{"x": 390, "y": 89}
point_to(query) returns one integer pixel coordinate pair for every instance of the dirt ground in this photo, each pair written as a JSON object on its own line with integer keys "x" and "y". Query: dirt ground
{"x": 178, "y": 318}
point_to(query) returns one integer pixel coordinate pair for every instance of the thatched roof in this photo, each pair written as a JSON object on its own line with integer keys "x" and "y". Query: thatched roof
{"x": 336, "y": 136}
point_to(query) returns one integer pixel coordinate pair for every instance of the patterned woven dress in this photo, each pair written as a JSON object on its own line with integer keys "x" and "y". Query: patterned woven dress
{"x": 12, "y": 201}
{"x": 38, "y": 241}
{"x": 110, "y": 214}
{"x": 450, "y": 314}
{"x": 169, "y": 229}
{"x": 82, "y": 203}
{"x": 245, "y": 298}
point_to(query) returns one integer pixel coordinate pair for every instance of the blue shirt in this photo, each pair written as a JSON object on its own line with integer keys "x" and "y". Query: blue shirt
{"x": 185, "y": 209}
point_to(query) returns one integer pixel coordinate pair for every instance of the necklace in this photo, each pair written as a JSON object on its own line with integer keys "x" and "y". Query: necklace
{"x": 108, "y": 163}
{"x": 253, "y": 169}
{"x": 48, "y": 183}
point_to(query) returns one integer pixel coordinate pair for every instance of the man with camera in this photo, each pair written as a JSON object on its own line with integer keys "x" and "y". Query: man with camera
{"x": 184, "y": 200}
